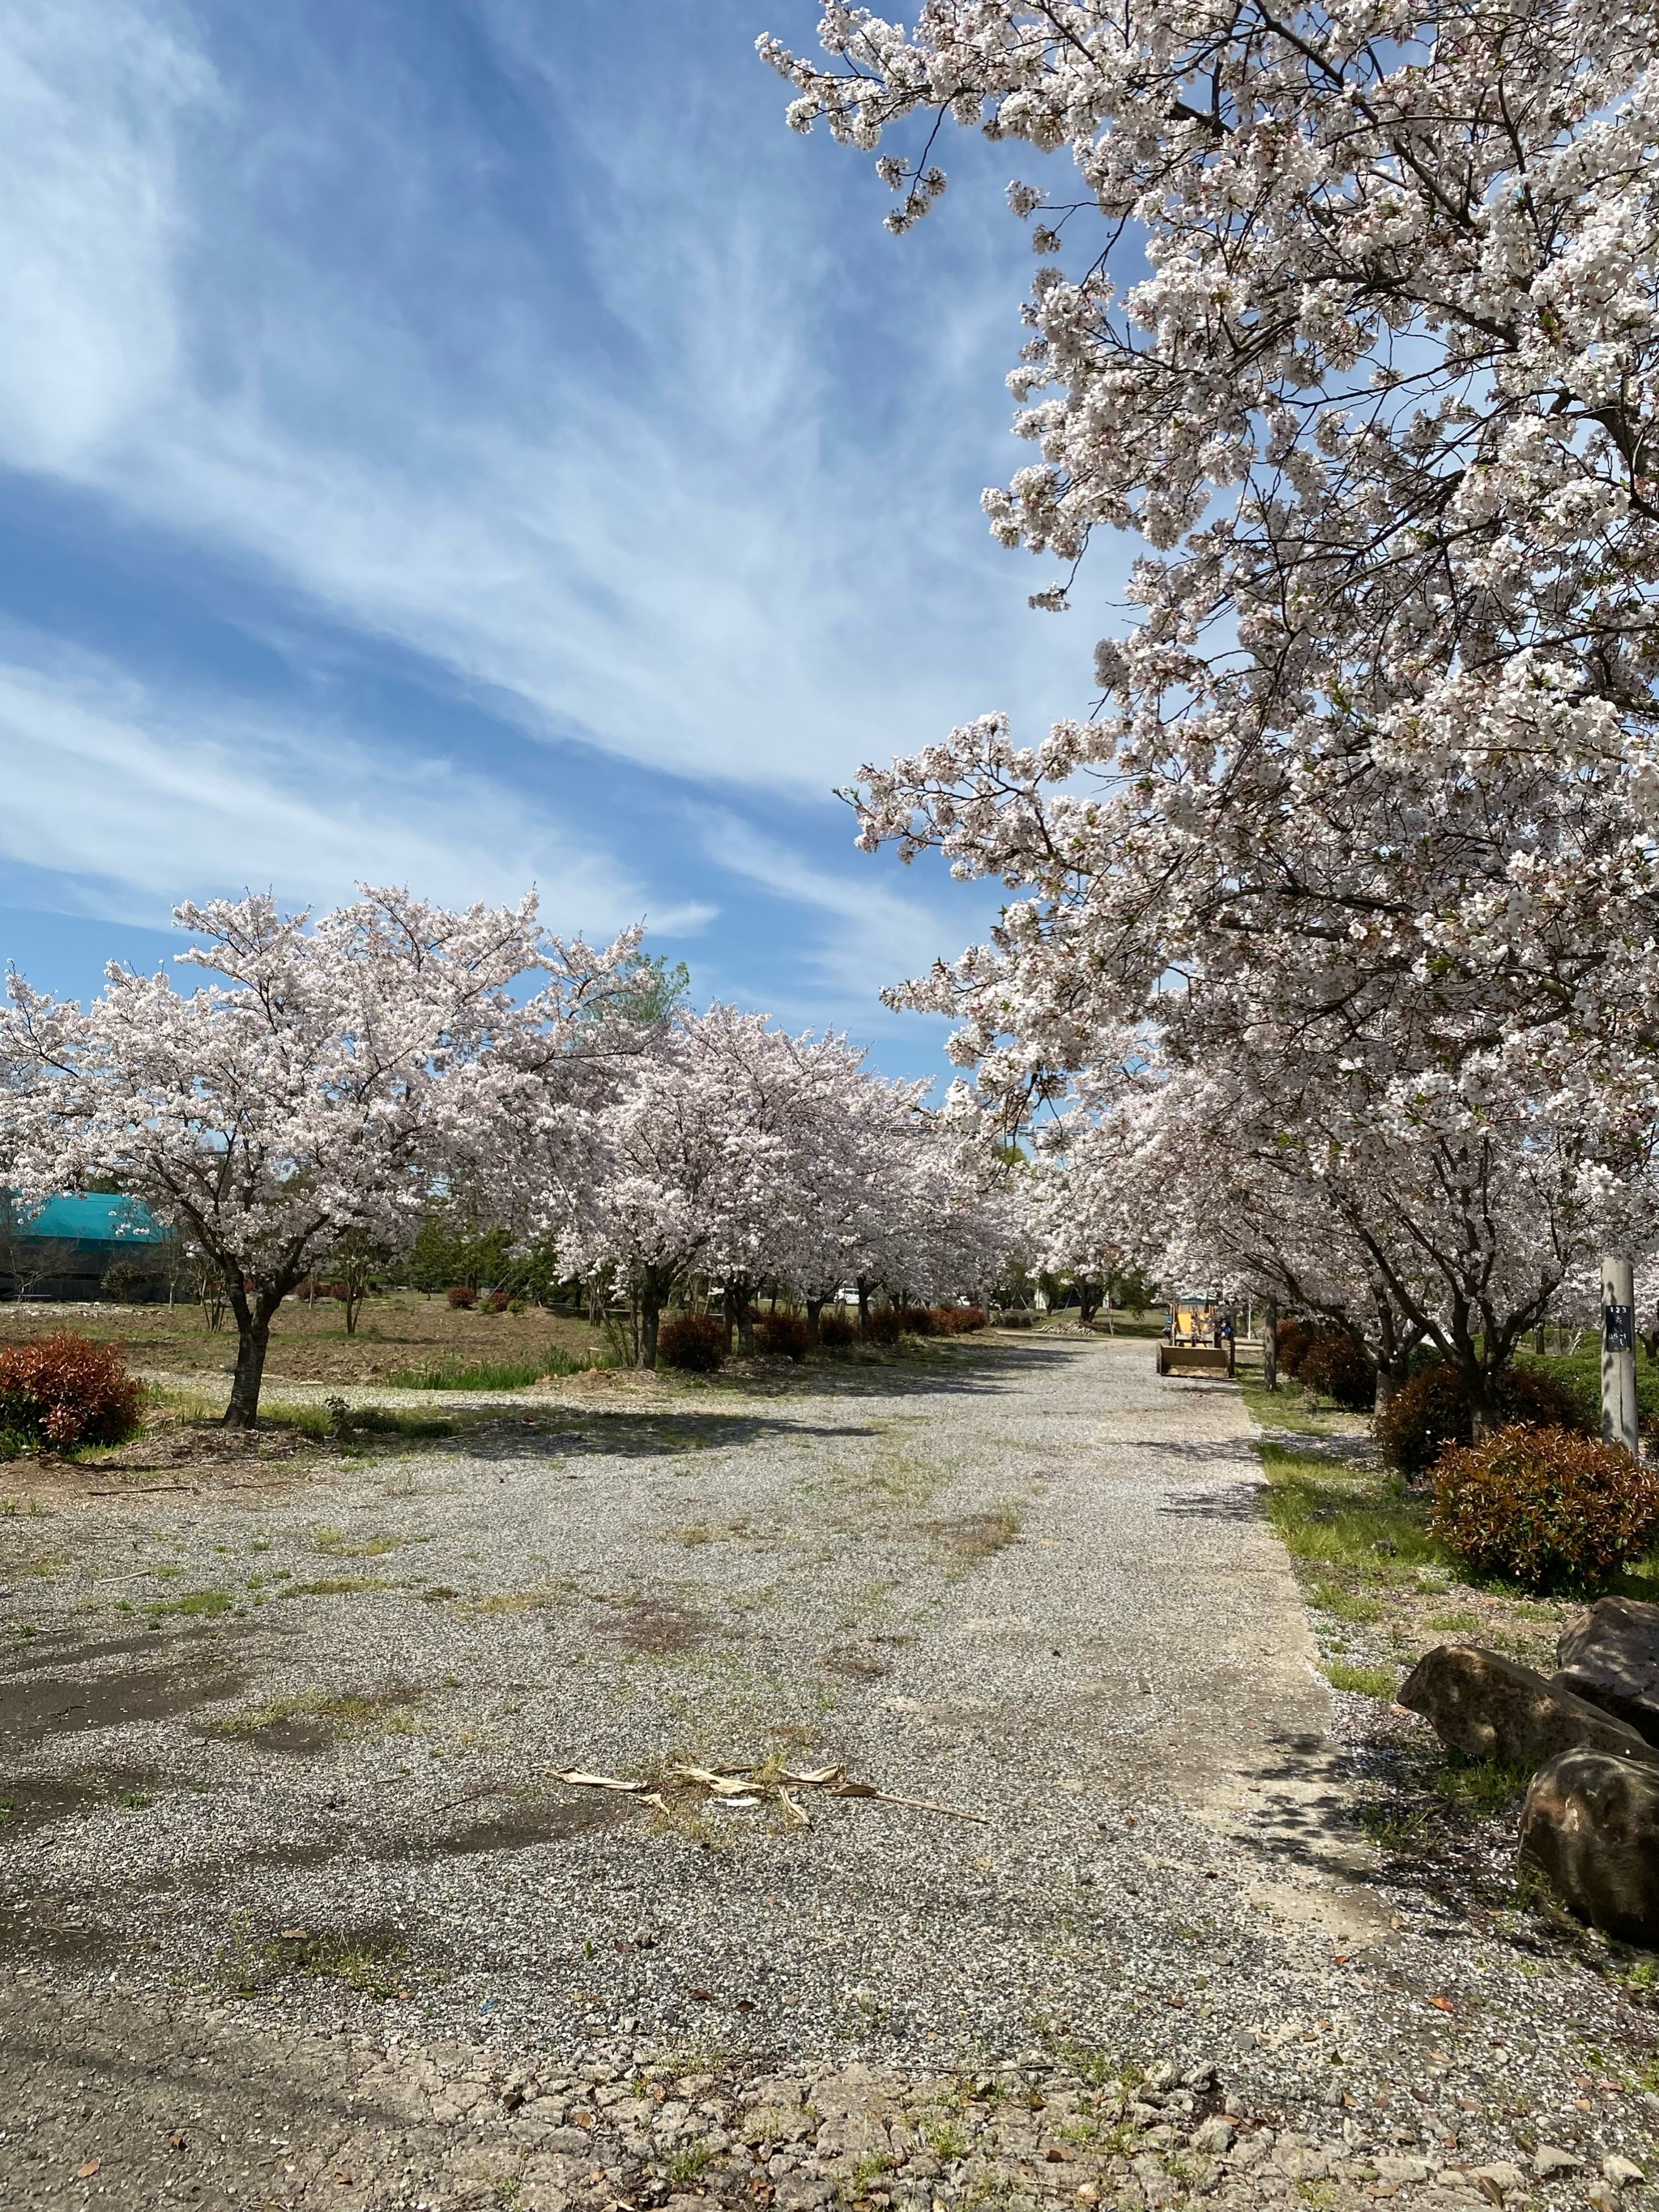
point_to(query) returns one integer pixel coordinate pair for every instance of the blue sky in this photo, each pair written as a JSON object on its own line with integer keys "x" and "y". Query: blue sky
{"x": 472, "y": 442}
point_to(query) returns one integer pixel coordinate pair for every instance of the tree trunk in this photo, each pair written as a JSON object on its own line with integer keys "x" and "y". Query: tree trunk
{"x": 253, "y": 1342}
{"x": 814, "y": 1313}
{"x": 1089, "y": 1296}
{"x": 864, "y": 1305}
{"x": 739, "y": 1314}
{"x": 655, "y": 1286}
{"x": 1393, "y": 1371}
{"x": 1484, "y": 1413}
{"x": 1270, "y": 1343}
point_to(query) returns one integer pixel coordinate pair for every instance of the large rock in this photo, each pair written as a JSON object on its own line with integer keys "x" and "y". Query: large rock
{"x": 1610, "y": 1656}
{"x": 1590, "y": 1825}
{"x": 1490, "y": 1707}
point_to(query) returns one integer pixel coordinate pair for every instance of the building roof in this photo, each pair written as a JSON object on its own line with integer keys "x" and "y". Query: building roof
{"x": 101, "y": 1219}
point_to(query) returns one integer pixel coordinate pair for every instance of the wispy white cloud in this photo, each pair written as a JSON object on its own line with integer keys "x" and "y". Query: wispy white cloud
{"x": 90, "y": 98}
{"x": 154, "y": 797}
{"x": 875, "y": 935}
{"x": 680, "y": 565}
{"x": 608, "y": 430}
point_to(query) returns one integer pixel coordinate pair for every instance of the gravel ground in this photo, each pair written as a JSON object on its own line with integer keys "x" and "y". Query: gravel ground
{"x": 288, "y": 1877}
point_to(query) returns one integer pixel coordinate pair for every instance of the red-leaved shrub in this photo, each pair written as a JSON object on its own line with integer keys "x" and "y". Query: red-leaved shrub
{"x": 917, "y": 1320}
{"x": 461, "y": 1295}
{"x": 1337, "y": 1365}
{"x": 64, "y": 1391}
{"x": 694, "y": 1342}
{"x": 1533, "y": 1394}
{"x": 498, "y": 1301}
{"x": 1291, "y": 1339}
{"x": 959, "y": 1320}
{"x": 784, "y": 1335}
{"x": 1430, "y": 1414}
{"x": 882, "y": 1325}
{"x": 836, "y": 1331}
{"x": 1549, "y": 1508}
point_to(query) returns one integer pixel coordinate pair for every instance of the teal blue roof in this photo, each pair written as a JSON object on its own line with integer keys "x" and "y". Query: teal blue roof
{"x": 95, "y": 1220}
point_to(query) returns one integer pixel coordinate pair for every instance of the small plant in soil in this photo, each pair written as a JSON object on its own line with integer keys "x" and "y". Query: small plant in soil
{"x": 374, "y": 1961}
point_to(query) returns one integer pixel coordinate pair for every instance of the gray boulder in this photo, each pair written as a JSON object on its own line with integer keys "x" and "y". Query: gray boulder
{"x": 1610, "y": 1656}
{"x": 1490, "y": 1707}
{"x": 1590, "y": 1825}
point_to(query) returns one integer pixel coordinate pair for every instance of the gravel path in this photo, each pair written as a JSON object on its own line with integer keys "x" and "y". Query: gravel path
{"x": 286, "y": 1873}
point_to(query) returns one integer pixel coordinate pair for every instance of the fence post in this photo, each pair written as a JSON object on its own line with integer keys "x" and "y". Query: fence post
{"x": 1618, "y": 1425}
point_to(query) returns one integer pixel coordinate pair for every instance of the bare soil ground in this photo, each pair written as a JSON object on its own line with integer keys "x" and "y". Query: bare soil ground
{"x": 296, "y": 1910}
{"x": 308, "y": 1343}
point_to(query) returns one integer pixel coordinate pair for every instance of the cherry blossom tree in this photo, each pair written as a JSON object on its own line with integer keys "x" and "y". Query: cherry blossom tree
{"x": 1352, "y": 318}
{"x": 674, "y": 1162}
{"x": 721, "y": 1148}
{"x": 1456, "y": 1229}
{"x": 313, "y": 1095}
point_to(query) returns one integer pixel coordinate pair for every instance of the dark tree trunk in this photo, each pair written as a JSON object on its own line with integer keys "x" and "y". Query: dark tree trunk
{"x": 864, "y": 1305}
{"x": 1089, "y": 1296}
{"x": 254, "y": 1320}
{"x": 252, "y": 1344}
{"x": 1270, "y": 1345}
{"x": 814, "y": 1315}
{"x": 740, "y": 1314}
{"x": 1485, "y": 1412}
{"x": 655, "y": 1286}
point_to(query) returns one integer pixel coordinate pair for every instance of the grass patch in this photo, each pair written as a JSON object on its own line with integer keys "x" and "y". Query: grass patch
{"x": 208, "y": 1603}
{"x": 499, "y": 1374}
{"x": 1436, "y": 1808}
{"x": 1329, "y": 1515}
{"x": 946, "y": 2138}
{"x": 531, "y": 1601}
{"x": 373, "y": 1962}
{"x": 338, "y": 1586}
{"x": 689, "y": 2162}
{"x": 1483, "y": 1788}
{"x": 692, "y": 1534}
{"x": 971, "y": 1538}
{"x": 1343, "y": 1604}
{"x": 354, "y": 1710}
{"x": 1365, "y": 1681}
{"x": 891, "y": 1476}
{"x": 864, "y": 2175}
{"x": 385, "y": 1423}
{"x": 1291, "y": 1408}
{"x": 339, "y": 1546}
{"x": 1580, "y": 1372}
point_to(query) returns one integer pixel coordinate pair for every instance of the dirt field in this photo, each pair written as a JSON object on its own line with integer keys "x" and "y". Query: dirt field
{"x": 296, "y": 1909}
{"x": 401, "y": 1330}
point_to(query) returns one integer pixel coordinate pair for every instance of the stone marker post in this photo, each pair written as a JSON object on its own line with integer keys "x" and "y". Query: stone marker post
{"x": 1618, "y": 1353}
